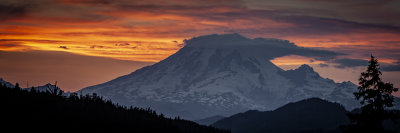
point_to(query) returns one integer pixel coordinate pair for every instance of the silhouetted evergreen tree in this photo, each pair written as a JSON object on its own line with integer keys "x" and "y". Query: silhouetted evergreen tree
{"x": 375, "y": 96}
{"x": 17, "y": 86}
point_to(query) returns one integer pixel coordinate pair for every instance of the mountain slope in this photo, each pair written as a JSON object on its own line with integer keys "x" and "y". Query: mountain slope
{"x": 223, "y": 75}
{"x": 310, "y": 115}
{"x": 5, "y": 83}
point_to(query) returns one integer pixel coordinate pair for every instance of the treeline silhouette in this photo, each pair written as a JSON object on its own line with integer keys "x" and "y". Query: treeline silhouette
{"x": 51, "y": 111}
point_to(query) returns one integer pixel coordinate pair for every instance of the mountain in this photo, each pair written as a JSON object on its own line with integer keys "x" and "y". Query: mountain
{"x": 5, "y": 83}
{"x": 209, "y": 120}
{"x": 308, "y": 83}
{"x": 224, "y": 75}
{"x": 44, "y": 88}
{"x": 310, "y": 115}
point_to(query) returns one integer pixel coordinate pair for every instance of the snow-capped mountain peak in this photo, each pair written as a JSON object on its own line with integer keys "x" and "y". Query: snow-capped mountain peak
{"x": 222, "y": 75}
{"x": 305, "y": 67}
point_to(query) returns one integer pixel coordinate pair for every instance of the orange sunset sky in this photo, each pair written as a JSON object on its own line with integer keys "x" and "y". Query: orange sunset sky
{"x": 79, "y": 43}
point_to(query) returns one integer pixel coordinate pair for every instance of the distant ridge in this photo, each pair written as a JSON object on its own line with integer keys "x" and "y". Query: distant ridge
{"x": 210, "y": 120}
{"x": 310, "y": 115}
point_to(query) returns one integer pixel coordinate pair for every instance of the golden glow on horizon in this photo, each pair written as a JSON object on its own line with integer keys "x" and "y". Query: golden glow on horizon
{"x": 90, "y": 42}
{"x": 139, "y": 48}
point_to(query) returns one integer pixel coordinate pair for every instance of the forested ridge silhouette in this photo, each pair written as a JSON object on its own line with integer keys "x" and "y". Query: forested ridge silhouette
{"x": 51, "y": 111}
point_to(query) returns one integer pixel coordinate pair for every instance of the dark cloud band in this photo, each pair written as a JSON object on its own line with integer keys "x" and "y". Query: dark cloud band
{"x": 346, "y": 63}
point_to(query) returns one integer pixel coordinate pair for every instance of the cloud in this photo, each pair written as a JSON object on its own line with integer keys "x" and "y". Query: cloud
{"x": 391, "y": 67}
{"x": 10, "y": 11}
{"x": 63, "y": 47}
{"x": 267, "y": 47}
{"x": 122, "y": 44}
{"x": 96, "y": 46}
{"x": 34, "y": 40}
{"x": 90, "y": 2}
{"x": 361, "y": 11}
{"x": 308, "y": 23}
{"x": 323, "y": 65}
{"x": 346, "y": 63}
{"x": 9, "y": 45}
{"x": 362, "y": 50}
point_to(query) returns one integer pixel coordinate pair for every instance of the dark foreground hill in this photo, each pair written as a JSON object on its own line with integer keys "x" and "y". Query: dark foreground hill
{"x": 35, "y": 111}
{"x": 307, "y": 116}
{"x": 311, "y": 115}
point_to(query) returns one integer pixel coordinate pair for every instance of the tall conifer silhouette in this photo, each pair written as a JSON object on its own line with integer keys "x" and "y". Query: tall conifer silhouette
{"x": 375, "y": 96}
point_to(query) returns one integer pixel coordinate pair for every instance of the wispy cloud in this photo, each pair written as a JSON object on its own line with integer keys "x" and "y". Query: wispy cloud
{"x": 63, "y": 47}
{"x": 345, "y": 62}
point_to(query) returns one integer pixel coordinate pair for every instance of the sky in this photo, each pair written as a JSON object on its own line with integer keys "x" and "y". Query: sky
{"x": 79, "y": 43}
